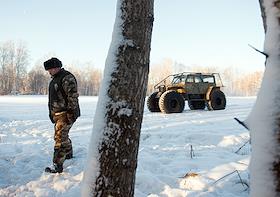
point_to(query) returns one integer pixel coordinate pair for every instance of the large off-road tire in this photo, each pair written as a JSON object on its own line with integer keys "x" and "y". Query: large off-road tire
{"x": 217, "y": 100}
{"x": 194, "y": 105}
{"x": 152, "y": 102}
{"x": 171, "y": 102}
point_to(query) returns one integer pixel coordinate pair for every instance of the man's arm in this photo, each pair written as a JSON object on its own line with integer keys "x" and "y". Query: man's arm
{"x": 70, "y": 88}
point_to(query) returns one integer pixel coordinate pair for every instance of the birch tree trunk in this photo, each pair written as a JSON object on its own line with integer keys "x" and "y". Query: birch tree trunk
{"x": 112, "y": 157}
{"x": 264, "y": 120}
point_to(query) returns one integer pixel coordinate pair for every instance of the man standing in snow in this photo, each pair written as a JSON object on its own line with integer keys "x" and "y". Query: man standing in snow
{"x": 63, "y": 111}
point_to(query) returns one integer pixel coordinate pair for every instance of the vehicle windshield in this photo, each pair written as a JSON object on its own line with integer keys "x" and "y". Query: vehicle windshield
{"x": 178, "y": 79}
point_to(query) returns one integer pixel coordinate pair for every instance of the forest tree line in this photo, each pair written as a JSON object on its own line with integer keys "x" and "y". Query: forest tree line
{"x": 15, "y": 79}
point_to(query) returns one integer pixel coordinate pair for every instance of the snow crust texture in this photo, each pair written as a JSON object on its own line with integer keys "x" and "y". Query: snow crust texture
{"x": 165, "y": 167}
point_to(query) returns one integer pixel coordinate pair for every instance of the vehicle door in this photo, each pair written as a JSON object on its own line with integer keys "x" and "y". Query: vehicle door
{"x": 208, "y": 81}
{"x": 192, "y": 84}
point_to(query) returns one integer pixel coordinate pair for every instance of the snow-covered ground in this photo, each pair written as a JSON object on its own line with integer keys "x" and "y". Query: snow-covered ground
{"x": 165, "y": 165}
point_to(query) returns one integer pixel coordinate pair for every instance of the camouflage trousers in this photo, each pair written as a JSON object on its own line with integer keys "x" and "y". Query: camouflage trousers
{"x": 63, "y": 145}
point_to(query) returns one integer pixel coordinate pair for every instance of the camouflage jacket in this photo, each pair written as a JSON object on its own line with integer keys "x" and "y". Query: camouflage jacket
{"x": 63, "y": 94}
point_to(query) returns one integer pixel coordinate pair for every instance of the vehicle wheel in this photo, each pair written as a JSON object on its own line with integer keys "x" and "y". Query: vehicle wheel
{"x": 194, "y": 105}
{"x": 152, "y": 102}
{"x": 217, "y": 100}
{"x": 171, "y": 102}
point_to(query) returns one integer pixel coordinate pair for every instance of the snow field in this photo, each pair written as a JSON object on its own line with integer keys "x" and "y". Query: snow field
{"x": 165, "y": 166}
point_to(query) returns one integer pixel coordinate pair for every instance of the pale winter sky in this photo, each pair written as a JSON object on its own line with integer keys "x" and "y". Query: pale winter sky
{"x": 191, "y": 32}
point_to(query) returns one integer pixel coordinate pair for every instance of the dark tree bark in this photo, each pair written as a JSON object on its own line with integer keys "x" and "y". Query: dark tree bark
{"x": 263, "y": 14}
{"x": 125, "y": 95}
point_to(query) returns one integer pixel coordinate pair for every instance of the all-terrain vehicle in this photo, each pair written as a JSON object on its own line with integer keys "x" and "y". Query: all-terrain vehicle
{"x": 199, "y": 89}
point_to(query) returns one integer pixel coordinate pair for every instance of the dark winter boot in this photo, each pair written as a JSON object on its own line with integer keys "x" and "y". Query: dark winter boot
{"x": 58, "y": 168}
{"x": 69, "y": 155}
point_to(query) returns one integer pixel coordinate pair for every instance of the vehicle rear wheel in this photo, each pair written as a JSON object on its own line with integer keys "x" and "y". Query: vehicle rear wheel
{"x": 217, "y": 100}
{"x": 152, "y": 102}
{"x": 194, "y": 105}
{"x": 171, "y": 102}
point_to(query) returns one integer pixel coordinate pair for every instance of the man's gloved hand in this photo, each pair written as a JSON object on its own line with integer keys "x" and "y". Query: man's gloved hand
{"x": 70, "y": 117}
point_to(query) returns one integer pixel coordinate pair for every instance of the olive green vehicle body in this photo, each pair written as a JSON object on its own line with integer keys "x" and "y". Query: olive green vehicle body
{"x": 199, "y": 89}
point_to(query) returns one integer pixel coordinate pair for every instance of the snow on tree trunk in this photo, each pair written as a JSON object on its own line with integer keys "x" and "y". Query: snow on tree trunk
{"x": 264, "y": 120}
{"x": 113, "y": 151}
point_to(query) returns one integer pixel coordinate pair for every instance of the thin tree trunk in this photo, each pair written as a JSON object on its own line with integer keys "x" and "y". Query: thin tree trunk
{"x": 112, "y": 159}
{"x": 264, "y": 120}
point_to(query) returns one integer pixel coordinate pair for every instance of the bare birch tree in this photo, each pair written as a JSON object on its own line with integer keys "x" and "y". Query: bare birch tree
{"x": 38, "y": 80}
{"x": 6, "y": 64}
{"x": 20, "y": 63}
{"x": 264, "y": 120}
{"x": 13, "y": 63}
{"x": 113, "y": 151}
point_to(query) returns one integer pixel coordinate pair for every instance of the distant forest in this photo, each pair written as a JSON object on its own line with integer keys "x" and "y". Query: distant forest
{"x": 15, "y": 79}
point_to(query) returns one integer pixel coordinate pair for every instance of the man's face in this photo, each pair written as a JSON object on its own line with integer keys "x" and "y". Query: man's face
{"x": 53, "y": 71}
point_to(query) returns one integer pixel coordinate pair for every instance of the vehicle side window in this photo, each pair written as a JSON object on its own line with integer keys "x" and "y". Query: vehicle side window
{"x": 208, "y": 80}
{"x": 189, "y": 79}
{"x": 197, "y": 79}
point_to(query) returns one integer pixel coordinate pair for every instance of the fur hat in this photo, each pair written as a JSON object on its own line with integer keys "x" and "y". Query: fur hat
{"x": 52, "y": 63}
